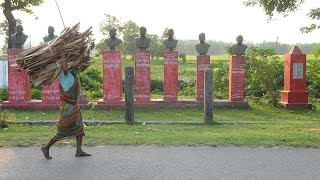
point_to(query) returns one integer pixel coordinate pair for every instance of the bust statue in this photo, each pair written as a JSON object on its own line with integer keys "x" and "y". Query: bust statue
{"x": 202, "y": 48}
{"x": 142, "y": 42}
{"x": 112, "y": 42}
{"x": 170, "y": 43}
{"x": 239, "y": 48}
{"x": 50, "y": 35}
{"x": 18, "y": 39}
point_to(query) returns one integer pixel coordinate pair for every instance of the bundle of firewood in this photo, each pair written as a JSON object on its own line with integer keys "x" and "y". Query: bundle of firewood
{"x": 43, "y": 62}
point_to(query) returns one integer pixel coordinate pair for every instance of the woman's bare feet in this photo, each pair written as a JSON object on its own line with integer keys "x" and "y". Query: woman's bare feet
{"x": 81, "y": 153}
{"x": 45, "y": 152}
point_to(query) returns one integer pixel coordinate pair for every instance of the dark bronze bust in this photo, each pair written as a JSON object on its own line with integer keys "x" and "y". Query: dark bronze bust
{"x": 239, "y": 48}
{"x": 142, "y": 42}
{"x": 202, "y": 48}
{"x": 170, "y": 43}
{"x": 50, "y": 35}
{"x": 112, "y": 42}
{"x": 18, "y": 39}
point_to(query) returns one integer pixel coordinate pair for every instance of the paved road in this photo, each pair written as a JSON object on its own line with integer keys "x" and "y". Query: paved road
{"x": 149, "y": 162}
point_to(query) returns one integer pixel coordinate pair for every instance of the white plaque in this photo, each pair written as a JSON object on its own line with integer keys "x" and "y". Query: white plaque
{"x": 297, "y": 71}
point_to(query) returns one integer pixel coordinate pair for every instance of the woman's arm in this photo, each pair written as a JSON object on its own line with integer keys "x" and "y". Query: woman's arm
{"x": 64, "y": 64}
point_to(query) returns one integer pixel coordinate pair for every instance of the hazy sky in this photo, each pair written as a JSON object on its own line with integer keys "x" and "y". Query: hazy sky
{"x": 218, "y": 19}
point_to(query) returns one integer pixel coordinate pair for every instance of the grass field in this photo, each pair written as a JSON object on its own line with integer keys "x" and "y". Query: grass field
{"x": 257, "y": 126}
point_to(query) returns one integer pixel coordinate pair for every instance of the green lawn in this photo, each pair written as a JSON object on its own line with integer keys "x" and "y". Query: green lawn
{"x": 257, "y": 126}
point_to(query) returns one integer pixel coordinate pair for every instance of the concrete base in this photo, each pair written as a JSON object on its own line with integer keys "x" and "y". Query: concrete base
{"x": 159, "y": 103}
{"x": 296, "y": 105}
{"x": 37, "y": 104}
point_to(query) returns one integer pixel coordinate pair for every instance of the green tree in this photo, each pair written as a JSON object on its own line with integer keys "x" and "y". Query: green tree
{"x": 284, "y": 7}
{"x": 109, "y": 22}
{"x": 129, "y": 32}
{"x": 264, "y": 74}
{"x": 156, "y": 46}
{"x": 4, "y": 31}
{"x": 9, "y": 6}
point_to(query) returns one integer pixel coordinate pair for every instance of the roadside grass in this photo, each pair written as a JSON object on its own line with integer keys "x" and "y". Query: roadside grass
{"x": 257, "y": 126}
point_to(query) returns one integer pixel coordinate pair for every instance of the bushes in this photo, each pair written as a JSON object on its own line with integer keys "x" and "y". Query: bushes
{"x": 91, "y": 83}
{"x": 3, "y": 119}
{"x": 313, "y": 79}
{"x": 264, "y": 75}
{"x": 3, "y": 94}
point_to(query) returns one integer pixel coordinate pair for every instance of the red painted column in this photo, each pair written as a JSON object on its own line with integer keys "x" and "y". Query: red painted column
{"x": 112, "y": 79}
{"x": 295, "y": 93}
{"x": 203, "y": 62}
{"x": 142, "y": 76}
{"x": 19, "y": 88}
{"x": 170, "y": 82}
{"x": 236, "y": 78}
{"x": 51, "y": 94}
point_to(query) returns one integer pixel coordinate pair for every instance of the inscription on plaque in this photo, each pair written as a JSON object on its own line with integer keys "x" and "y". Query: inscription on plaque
{"x": 297, "y": 71}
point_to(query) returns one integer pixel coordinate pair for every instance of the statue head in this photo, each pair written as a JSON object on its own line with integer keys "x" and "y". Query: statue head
{"x": 143, "y": 31}
{"x": 202, "y": 37}
{"x": 170, "y": 33}
{"x": 239, "y": 40}
{"x": 50, "y": 30}
{"x": 112, "y": 32}
{"x": 19, "y": 29}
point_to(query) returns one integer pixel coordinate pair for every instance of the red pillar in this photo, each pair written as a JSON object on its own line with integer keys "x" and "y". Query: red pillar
{"x": 170, "y": 82}
{"x": 236, "y": 78}
{"x": 295, "y": 93}
{"x": 142, "y": 76}
{"x": 203, "y": 62}
{"x": 19, "y": 87}
{"x": 51, "y": 95}
{"x": 112, "y": 81}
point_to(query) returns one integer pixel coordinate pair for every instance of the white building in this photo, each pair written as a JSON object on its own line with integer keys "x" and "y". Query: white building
{"x": 3, "y": 73}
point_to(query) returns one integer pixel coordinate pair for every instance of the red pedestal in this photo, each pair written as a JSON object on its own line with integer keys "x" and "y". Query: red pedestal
{"x": 295, "y": 93}
{"x": 170, "y": 82}
{"x": 112, "y": 80}
{"x": 51, "y": 94}
{"x": 203, "y": 62}
{"x": 19, "y": 88}
{"x": 236, "y": 78}
{"x": 142, "y": 76}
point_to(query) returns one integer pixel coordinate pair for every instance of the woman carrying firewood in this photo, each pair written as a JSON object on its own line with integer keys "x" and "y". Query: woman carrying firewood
{"x": 70, "y": 121}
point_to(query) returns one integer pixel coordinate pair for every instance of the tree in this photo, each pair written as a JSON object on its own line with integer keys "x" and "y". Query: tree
{"x": 129, "y": 32}
{"x": 21, "y": 5}
{"x": 109, "y": 22}
{"x": 284, "y": 7}
{"x": 4, "y": 31}
{"x": 156, "y": 47}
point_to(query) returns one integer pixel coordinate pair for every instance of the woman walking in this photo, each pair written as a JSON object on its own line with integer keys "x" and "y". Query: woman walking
{"x": 70, "y": 122}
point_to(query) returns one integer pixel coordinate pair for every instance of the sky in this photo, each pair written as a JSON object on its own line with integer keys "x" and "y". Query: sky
{"x": 220, "y": 20}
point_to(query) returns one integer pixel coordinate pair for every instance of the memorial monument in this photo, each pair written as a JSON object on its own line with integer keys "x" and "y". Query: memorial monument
{"x": 142, "y": 67}
{"x": 237, "y": 71}
{"x": 51, "y": 35}
{"x": 113, "y": 42}
{"x": 18, "y": 39}
{"x": 239, "y": 48}
{"x": 203, "y": 62}
{"x": 170, "y": 82}
{"x": 170, "y": 44}
{"x": 51, "y": 93}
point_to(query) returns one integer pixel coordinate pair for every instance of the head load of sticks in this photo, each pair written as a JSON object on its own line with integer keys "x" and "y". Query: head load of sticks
{"x": 43, "y": 62}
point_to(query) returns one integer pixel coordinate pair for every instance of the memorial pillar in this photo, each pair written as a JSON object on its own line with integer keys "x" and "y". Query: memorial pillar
{"x": 51, "y": 94}
{"x": 19, "y": 87}
{"x": 170, "y": 82}
{"x": 142, "y": 76}
{"x": 112, "y": 79}
{"x": 236, "y": 78}
{"x": 295, "y": 93}
{"x": 203, "y": 62}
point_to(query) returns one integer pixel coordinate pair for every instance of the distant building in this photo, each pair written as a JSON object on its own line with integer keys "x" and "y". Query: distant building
{"x": 3, "y": 73}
